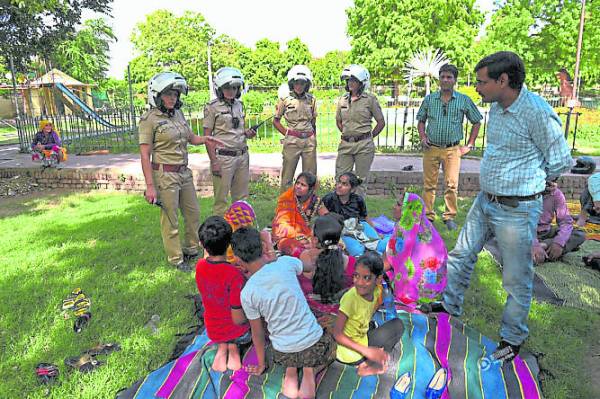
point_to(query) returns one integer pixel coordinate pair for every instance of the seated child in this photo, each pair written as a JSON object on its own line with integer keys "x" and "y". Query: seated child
{"x": 357, "y": 345}
{"x": 47, "y": 139}
{"x": 220, "y": 284}
{"x": 590, "y": 201}
{"x": 359, "y": 234}
{"x": 273, "y": 294}
{"x": 331, "y": 269}
{"x": 552, "y": 242}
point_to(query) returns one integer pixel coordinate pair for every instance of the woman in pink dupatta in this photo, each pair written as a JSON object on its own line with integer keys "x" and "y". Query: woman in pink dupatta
{"x": 417, "y": 255}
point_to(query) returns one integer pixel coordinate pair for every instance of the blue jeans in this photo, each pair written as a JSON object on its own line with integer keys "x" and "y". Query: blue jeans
{"x": 514, "y": 229}
{"x": 356, "y": 248}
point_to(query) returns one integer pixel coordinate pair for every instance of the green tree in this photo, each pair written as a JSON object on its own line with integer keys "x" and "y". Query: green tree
{"x": 385, "y": 33}
{"x": 86, "y": 56}
{"x": 544, "y": 33}
{"x": 25, "y": 31}
{"x": 266, "y": 65}
{"x": 297, "y": 53}
{"x": 168, "y": 42}
{"x": 327, "y": 70}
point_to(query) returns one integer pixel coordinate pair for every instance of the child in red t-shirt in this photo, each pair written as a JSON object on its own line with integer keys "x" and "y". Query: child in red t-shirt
{"x": 220, "y": 284}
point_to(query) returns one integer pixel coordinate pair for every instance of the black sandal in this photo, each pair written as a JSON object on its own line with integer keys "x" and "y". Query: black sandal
{"x": 84, "y": 363}
{"x": 103, "y": 349}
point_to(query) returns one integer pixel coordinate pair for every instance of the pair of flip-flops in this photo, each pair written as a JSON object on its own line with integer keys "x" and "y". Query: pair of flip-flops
{"x": 87, "y": 361}
{"x": 47, "y": 373}
{"x": 78, "y": 303}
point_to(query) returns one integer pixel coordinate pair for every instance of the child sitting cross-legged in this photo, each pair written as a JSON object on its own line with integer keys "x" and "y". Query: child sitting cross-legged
{"x": 357, "y": 345}
{"x": 272, "y": 293}
{"x": 220, "y": 284}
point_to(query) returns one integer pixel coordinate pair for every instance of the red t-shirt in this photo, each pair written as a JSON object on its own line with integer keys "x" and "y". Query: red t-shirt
{"x": 220, "y": 285}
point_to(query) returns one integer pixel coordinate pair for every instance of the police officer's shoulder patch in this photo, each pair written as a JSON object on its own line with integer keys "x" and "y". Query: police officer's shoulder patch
{"x": 212, "y": 102}
{"x": 145, "y": 115}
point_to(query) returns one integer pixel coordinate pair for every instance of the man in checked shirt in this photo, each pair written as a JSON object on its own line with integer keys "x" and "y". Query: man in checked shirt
{"x": 444, "y": 111}
{"x": 525, "y": 149}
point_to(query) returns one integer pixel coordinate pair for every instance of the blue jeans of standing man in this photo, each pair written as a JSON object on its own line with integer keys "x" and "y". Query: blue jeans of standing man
{"x": 514, "y": 229}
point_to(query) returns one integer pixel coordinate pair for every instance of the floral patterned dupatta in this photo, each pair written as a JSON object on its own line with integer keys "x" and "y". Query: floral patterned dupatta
{"x": 417, "y": 255}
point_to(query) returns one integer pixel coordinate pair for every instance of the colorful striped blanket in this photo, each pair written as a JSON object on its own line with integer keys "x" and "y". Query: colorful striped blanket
{"x": 428, "y": 343}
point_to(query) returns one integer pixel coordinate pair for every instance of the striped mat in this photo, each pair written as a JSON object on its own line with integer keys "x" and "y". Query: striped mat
{"x": 427, "y": 344}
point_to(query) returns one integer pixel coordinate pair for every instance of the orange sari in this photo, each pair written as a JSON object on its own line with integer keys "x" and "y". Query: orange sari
{"x": 291, "y": 224}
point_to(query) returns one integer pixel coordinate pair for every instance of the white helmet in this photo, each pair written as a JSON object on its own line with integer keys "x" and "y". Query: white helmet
{"x": 231, "y": 76}
{"x": 299, "y": 72}
{"x": 359, "y": 72}
{"x": 164, "y": 81}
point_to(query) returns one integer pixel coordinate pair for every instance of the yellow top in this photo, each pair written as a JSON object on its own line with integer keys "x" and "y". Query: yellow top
{"x": 359, "y": 312}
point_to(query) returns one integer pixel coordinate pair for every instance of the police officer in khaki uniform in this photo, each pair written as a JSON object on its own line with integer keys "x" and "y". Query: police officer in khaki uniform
{"x": 299, "y": 109}
{"x": 224, "y": 119}
{"x": 354, "y": 115}
{"x": 164, "y": 135}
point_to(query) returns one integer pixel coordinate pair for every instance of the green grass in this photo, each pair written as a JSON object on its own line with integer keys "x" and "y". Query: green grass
{"x": 109, "y": 245}
{"x": 8, "y": 135}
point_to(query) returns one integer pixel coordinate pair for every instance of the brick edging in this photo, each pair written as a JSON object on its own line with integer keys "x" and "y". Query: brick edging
{"x": 381, "y": 183}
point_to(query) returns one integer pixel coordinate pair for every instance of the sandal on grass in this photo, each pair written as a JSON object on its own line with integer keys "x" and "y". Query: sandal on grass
{"x": 82, "y": 306}
{"x": 46, "y": 373}
{"x": 73, "y": 297}
{"x": 84, "y": 363}
{"x": 81, "y": 321}
{"x": 103, "y": 349}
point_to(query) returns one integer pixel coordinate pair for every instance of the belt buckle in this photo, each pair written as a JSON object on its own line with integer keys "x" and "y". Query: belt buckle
{"x": 303, "y": 135}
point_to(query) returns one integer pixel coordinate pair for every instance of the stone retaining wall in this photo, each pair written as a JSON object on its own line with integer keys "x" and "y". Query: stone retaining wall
{"x": 382, "y": 183}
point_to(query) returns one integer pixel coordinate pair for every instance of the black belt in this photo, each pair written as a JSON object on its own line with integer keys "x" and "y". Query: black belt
{"x": 445, "y": 145}
{"x": 356, "y": 139}
{"x": 231, "y": 153}
{"x": 168, "y": 167}
{"x": 511, "y": 200}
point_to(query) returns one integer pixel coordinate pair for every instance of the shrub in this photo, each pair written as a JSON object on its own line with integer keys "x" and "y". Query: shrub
{"x": 471, "y": 92}
{"x": 254, "y": 101}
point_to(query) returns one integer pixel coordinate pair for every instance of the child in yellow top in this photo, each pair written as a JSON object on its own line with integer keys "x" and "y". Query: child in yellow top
{"x": 357, "y": 345}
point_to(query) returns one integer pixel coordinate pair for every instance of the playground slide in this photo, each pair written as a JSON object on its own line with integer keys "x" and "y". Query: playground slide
{"x": 83, "y": 106}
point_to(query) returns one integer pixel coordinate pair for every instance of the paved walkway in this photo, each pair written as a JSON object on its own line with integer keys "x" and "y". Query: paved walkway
{"x": 10, "y": 157}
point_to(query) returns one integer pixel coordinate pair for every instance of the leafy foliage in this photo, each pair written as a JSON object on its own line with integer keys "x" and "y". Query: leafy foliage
{"x": 86, "y": 56}
{"x": 544, "y": 33}
{"x": 386, "y": 33}
{"x": 326, "y": 71}
{"x": 25, "y": 30}
{"x": 168, "y": 42}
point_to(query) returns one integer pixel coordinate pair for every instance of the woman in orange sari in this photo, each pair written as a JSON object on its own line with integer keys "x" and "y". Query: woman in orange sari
{"x": 296, "y": 207}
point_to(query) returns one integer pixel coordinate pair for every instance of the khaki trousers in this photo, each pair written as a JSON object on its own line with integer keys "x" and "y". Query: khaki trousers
{"x": 356, "y": 157}
{"x": 235, "y": 176}
{"x": 449, "y": 158}
{"x": 293, "y": 149}
{"x": 176, "y": 191}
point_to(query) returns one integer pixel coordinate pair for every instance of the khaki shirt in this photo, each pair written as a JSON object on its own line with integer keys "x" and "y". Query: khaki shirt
{"x": 299, "y": 112}
{"x": 167, "y": 136}
{"x": 218, "y": 116}
{"x": 356, "y": 116}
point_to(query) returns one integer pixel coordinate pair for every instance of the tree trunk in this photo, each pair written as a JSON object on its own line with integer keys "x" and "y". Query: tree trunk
{"x": 427, "y": 85}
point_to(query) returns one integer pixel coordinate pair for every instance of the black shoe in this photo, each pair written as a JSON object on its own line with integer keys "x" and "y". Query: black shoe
{"x": 433, "y": 307}
{"x": 506, "y": 352}
{"x": 184, "y": 266}
{"x": 191, "y": 258}
{"x": 450, "y": 224}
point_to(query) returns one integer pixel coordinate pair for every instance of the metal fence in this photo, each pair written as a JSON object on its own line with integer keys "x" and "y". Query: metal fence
{"x": 83, "y": 134}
